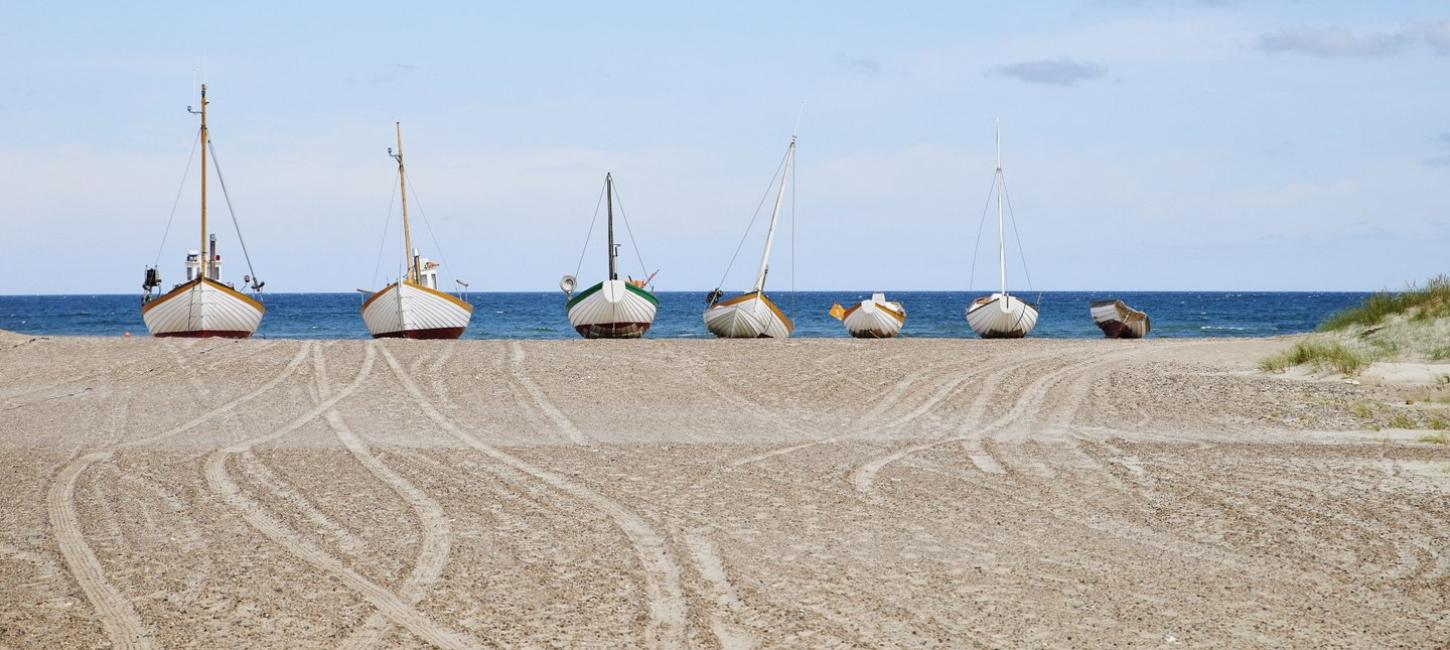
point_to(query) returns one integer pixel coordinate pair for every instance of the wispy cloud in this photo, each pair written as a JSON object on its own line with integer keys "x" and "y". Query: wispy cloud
{"x": 391, "y": 72}
{"x": 1334, "y": 42}
{"x": 1331, "y": 42}
{"x": 1438, "y": 161}
{"x": 862, "y": 67}
{"x": 1056, "y": 72}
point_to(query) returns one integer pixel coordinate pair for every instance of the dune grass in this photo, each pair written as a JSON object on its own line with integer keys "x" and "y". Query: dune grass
{"x": 1422, "y": 303}
{"x": 1319, "y": 354}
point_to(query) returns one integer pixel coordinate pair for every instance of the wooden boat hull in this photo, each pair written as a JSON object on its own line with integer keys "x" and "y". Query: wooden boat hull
{"x": 748, "y": 316}
{"x": 874, "y": 320}
{"x": 407, "y": 310}
{"x": 203, "y": 308}
{"x": 1001, "y": 317}
{"x": 612, "y": 309}
{"x": 1119, "y": 321}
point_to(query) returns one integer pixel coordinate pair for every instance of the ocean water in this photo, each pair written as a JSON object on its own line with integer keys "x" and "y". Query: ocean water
{"x": 930, "y": 314}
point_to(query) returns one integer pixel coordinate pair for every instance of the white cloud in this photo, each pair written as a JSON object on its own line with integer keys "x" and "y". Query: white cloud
{"x": 1335, "y": 42}
{"x": 1058, "y": 72}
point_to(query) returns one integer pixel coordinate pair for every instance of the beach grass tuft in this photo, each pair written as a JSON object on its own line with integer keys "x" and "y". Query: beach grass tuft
{"x": 1402, "y": 421}
{"x": 1319, "y": 354}
{"x": 1427, "y": 303}
{"x": 1436, "y": 438}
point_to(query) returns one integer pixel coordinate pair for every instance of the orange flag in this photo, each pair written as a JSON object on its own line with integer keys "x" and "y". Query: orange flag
{"x": 837, "y": 311}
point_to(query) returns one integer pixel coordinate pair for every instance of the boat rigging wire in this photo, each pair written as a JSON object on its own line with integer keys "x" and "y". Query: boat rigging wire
{"x": 177, "y": 201}
{"x": 256, "y": 282}
{"x": 590, "y": 235}
{"x": 419, "y": 202}
{"x": 972, "y": 279}
{"x": 1021, "y": 254}
{"x": 753, "y": 217}
{"x": 387, "y": 221}
{"x": 637, "y": 254}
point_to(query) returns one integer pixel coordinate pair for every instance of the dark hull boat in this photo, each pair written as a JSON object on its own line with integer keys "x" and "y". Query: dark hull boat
{"x": 1119, "y": 321}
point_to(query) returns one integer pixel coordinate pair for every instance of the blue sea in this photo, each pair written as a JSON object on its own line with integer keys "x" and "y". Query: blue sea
{"x": 930, "y": 314}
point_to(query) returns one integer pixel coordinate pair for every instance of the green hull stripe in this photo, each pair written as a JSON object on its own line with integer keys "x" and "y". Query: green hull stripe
{"x": 595, "y": 289}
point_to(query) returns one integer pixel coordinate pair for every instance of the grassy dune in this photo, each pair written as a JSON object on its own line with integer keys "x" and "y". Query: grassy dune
{"x": 1409, "y": 325}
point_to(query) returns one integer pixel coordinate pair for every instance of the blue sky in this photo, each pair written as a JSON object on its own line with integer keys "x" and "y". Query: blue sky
{"x": 1148, "y": 145}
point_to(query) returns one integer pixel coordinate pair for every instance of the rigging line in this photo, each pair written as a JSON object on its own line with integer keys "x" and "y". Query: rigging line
{"x": 1018, "y": 234}
{"x": 638, "y": 255}
{"x": 793, "y": 188}
{"x": 387, "y": 221}
{"x": 972, "y": 279}
{"x": 590, "y": 235}
{"x": 256, "y": 283}
{"x": 419, "y": 202}
{"x": 753, "y": 217}
{"x": 177, "y": 201}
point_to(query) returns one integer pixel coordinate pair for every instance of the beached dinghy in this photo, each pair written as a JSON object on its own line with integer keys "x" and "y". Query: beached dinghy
{"x": 203, "y": 305}
{"x": 1001, "y": 315}
{"x": 613, "y": 308}
{"x": 1119, "y": 321}
{"x": 874, "y": 318}
{"x": 414, "y": 307}
{"x": 752, "y": 314}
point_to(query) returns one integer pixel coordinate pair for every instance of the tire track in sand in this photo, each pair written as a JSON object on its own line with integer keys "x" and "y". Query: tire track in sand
{"x": 118, "y": 618}
{"x": 665, "y": 597}
{"x": 437, "y": 535}
{"x": 730, "y": 635}
{"x": 865, "y": 475}
{"x": 541, "y": 401}
{"x": 264, "y": 522}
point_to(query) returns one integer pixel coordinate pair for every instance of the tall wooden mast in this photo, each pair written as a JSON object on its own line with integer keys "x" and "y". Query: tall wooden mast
{"x": 775, "y": 215}
{"x": 613, "y": 252}
{"x": 412, "y": 274}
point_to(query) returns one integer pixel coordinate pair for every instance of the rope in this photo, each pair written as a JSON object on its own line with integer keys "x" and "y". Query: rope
{"x": 387, "y": 221}
{"x": 753, "y": 217}
{"x": 184, "y": 175}
{"x": 419, "y": 202}
{"x": 590, "y": 236}
{"x": 792, "y": 224}
{"x": 256, "y": 282}
{"x": 1021, "y": 254}
{"x": 637, "y": 254}
{"x": 972, "y": 280}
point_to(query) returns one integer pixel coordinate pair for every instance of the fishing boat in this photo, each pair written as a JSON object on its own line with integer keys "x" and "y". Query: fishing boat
{"x": 613, "y": 308}
{"x": 1001, "y": 315}
{"x": 874, "y": 318}
{"x": 414, "y": 307}
{"x": 1119, "y": 321}
{"x": 752, "y": 314}
{"x": 203, "y": 306}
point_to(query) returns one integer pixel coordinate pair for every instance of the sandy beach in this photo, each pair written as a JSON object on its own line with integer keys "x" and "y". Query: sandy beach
{"x": 733, "y": 494}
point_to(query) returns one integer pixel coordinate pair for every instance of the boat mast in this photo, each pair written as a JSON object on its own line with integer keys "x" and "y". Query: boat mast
{"x": 613, "y": 252}
{"x": 1001, "y": 241}
{"x": 775, "y": 214}
{"x": 412, "y": 274}
{"x": 205, "y": 270}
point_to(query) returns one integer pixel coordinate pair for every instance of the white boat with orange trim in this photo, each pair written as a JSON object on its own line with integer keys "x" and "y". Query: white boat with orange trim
{"x": 1001, "y": 315}
{"x": 873, "y": 318}
{"x": 753, "y": 314}
{"x": 613, "y": 308}
{"x": 203, "y": 306}
{"x": 414, "y": 307}
{"x": 1119, "y": 321}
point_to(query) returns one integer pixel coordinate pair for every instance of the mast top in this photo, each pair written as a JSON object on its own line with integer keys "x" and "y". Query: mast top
{"x": 999, "y": 144}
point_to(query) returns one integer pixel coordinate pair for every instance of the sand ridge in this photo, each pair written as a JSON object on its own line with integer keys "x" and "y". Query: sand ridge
{"x": 735, "y": 494}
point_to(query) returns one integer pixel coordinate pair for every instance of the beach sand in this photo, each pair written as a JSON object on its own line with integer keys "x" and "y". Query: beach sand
{"x": 808, "y": 493}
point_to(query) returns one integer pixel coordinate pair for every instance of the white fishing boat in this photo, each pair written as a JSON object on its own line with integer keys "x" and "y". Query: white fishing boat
{"x": 613, "y": 308}
{"x": 204, "y": 305}
{"x": 1119, "y": 321}
{"x": 1001, "y": 315}
{"x": 414, "y": 307}
{"x": 752, "y": 314}
{"x": 873, "y": 318}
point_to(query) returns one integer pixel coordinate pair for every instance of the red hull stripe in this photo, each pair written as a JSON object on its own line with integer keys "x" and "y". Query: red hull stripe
{"x": 438, "y": 333}
{"x": 204, "y": 334}
{"x": 613, "y": 330}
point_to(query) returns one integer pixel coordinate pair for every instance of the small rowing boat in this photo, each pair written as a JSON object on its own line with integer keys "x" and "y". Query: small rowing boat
{"x": 1119, "y": 321}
